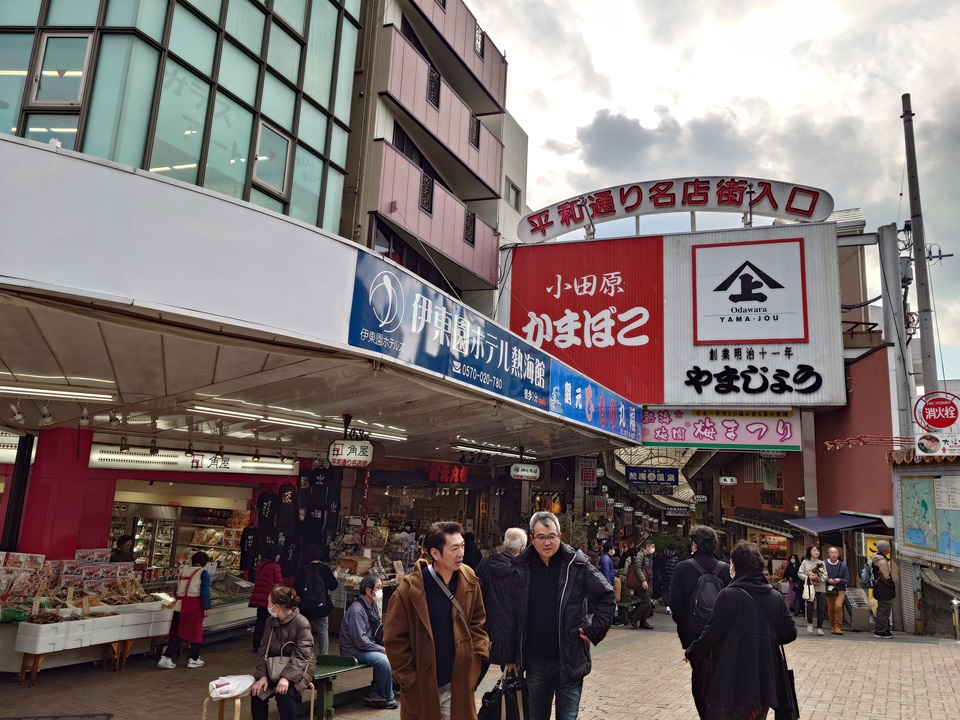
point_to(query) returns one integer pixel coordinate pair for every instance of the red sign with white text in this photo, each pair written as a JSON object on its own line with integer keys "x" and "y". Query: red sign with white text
{"x": 598, "y": 307}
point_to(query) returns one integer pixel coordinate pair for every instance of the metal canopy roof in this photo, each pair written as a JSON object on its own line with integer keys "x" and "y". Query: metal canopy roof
{"x": 828, "y": 524}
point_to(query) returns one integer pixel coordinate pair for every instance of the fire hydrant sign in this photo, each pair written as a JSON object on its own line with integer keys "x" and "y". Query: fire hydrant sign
{"x": 937, "y": 429}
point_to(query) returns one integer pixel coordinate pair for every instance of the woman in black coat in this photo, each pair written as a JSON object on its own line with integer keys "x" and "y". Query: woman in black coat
{"x": 791, "y": 575}
{"x": 749, "y": 622}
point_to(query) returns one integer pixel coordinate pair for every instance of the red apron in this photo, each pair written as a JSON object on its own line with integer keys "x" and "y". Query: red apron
{"x": 190, "y": 625}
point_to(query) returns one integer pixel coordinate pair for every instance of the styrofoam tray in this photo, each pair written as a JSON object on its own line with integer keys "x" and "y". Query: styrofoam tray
{"x": 106, "y": 635}
{"x": 131, "y": 632}
{"x": 162, "y": 615}
{"x": 51, "y": 630}
{"x": 136, "y": 618}
{"x": 160, "y": 629}
{"x": 77, "y": 639}
{"x": 106, "y": 623}
{"x": 40, "y": 645}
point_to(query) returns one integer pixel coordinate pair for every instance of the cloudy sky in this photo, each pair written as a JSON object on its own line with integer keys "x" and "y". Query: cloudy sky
{"x": 611, "y": 91}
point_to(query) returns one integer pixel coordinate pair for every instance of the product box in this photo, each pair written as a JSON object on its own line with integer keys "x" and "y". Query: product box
{"x": 87, "y": 555}
{"x": 125, "y": 569}
{"x": 3, "y": 558}
{"x": 92, "y": 585}
{"x": 41, "y": 639}
{"x": 16, "y": 560}
{"x": 35, "y": 561}
{"x": 72, "y": 567}
{"x": 100, "y": 571}
{"x": 67, "y": 581}
{"x": 25, "y": 584}
{"x": 132, "y": 632}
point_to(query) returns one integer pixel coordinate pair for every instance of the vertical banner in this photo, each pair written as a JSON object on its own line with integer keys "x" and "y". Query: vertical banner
{"x": 364, "y": 507}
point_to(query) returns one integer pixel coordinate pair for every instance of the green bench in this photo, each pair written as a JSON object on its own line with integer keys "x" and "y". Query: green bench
{"x": 623, "y": 607}
{"x": 329, "y": 668}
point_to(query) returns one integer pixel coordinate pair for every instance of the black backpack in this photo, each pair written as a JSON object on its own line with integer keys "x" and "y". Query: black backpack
{"x": 313, "y": 594}
{"x": 705, "y": 594}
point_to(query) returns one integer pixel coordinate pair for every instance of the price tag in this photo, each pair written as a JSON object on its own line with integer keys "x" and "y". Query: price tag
{"x": 70, "y": 594}
{"x": 86, "y": 605}
{"x": 36, "y": 608}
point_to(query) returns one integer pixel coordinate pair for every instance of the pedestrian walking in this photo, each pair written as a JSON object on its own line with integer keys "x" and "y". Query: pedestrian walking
{"x": 837, "y": 579}
{"x": 792, "y": 576}
{"x": 498, "y": 575}
{"x": 667, "y": 566}
{"x": 606, "y": 563}
{"x": 742, "y": 641}
{"x": 692, "y": 579}
{"x": 558, "y": 589}
{"x": 813, "y": 572}
{"x": 884, "y": 589}
{"x": 434, "y": 631}
{"x": 314, "y": 583}
{"x": 640, "y": 580}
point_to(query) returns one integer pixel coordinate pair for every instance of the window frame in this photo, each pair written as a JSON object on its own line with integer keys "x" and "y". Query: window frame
{"x": 512, "y": 188}
{"x": 37, "y": 70}
{"x": 262, "y": 185}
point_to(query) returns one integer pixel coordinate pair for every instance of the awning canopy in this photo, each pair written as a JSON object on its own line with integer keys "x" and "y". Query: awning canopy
{"x": 827, "y": 524}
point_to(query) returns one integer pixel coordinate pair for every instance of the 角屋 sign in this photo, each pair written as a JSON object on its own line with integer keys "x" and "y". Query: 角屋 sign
{"x": 769, "y": 198}
{"x": 728, "y": 429}
{"x": 937, "y": 415}
{"x": 350, "y": 453}
{"x": 748, "y": 317}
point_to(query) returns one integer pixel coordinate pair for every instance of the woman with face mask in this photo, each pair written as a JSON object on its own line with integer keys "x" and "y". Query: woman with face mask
{"x": 792, "y": 576}
{"x": 361, "y": 637}
{"x": 287, "y": 634}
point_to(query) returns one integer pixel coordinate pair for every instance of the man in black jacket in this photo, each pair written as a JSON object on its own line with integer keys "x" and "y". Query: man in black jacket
{"x": 703, "y": 545}
{"x": 497, "y": 576}
{"x": 557, "y": 588}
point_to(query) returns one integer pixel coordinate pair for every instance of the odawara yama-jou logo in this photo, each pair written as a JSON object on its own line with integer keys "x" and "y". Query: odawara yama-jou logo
{"x": 386, "y": 301}
{"x": 752, "y": 283}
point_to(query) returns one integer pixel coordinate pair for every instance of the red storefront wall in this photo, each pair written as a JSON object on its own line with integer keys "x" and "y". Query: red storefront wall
{"x": 858, "y": 478}
{"x": 69, "y": 505}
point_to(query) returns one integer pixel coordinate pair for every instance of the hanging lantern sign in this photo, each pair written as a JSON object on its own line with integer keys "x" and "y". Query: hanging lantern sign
{"x": 601, "y": 473}
{"x": 524, "y": 471}
{"x": 618, "y": 505}
{"x": 699, "y": 498}
{"x": 628, "y": 509}
{"x": 350, "y": 453}
{"x": 727, "y": 480}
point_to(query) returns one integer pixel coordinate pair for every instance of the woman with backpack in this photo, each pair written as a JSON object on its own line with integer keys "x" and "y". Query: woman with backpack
{"x": 813, "y": 571}
{"x": 266, "y": 576}
{"x": 314, "y": 583}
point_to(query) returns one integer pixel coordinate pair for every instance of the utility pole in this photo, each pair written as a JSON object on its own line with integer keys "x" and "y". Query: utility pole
{"x": 928, "y": 352}
{"x": 893, "y": 326}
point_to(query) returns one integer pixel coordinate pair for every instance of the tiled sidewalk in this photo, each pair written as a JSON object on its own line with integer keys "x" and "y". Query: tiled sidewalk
{"x": 636, "y": 674}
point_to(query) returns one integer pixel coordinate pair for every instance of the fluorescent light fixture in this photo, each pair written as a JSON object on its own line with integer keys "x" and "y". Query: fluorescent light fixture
{"x": 226, "y": 413}
{"x": 527, "y": 454}
{"x": 65, "y": 394}
{"x": 296, "y": 423}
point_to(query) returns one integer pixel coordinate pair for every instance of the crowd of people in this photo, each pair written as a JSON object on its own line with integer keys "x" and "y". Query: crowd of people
{"x": 534, "y": 609}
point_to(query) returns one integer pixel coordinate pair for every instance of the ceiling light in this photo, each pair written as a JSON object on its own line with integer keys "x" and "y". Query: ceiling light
{"x": 114, "y": 420}
{"x": 63, "y": 394}
{"x": 226, "y": 413}
{"x": 154, "y": 450}
{"x": 219, "y": 453}
{"x": 256, "y": 455}
{"x": 124, "y": 447}
{"x": 84, "y": 418}
{"x": 282, "y": 456}
{"x": 45, "y": 417}
{"x": 189, "y": 451}
{"x": 18, "y": 417}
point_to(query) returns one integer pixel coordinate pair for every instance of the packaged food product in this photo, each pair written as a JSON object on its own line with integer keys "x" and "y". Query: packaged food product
{"x": 16, "y": 560}
{"x": 34, "y": 561}
{"x": 86, "y": 555}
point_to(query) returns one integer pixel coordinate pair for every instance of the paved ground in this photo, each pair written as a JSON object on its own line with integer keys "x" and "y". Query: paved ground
{"x": 636, "y": 674}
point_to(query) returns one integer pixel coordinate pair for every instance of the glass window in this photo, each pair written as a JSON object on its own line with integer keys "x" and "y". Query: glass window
{"x": 145, "y": 15}
{"x": 73, "y": 12}
{"x": 62, "y": 70}
{"x": 229, "y": 149}
{"x": 210, "y": 8}
{"x": 116, "y": 128}
{"x": 14, "y": 64}
{"x": 307, "y": 178}
{"x": 265, "y": 201}
{"x": 321, "y": 42}
{"x": 348, "y": 59}
{"x": 353, "y": 7}
{"x": 272, "y": 151}
{"x": 333, "y": 198}
{"x": 180, "y": 124}
{"x": 44, "y": 128}
{"x": 284, "y": 53}
{"x": 278, "y": 101}
{"x": 291, "y": 11}
{"x": 313, "y": 126}
{"x": 245, "y": 23}
{"x": 338, "y": 145}
{"x": 239, "y": 72}
{"x": 193, "y": 40}
{"x": 19, "y": 13}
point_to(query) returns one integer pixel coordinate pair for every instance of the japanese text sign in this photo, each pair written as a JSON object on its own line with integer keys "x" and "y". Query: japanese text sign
{"x": 769, "y": 198}
{"x": 576, "y": 397}
{"x": 350, "y": 453}
{"x": 645, "y": 476}
{"x": 726, "y": 429}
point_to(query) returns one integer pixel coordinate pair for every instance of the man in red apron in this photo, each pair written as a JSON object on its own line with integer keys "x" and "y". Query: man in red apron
{"x": 193, "y": 605}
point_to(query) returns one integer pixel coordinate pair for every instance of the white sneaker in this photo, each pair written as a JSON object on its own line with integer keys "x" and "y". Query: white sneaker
{"x": 669, "y": 611}
{"x": 820, "y": 632}
{"x": 810, "y": 628}
{"x": 199, "y": 663}
{"x": 166, "y": 663}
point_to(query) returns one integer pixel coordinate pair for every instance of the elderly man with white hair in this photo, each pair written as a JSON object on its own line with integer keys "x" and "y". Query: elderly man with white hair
{"x": 497, "y": 575}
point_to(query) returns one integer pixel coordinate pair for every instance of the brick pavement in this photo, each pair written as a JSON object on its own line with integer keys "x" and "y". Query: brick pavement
{"x": 637, "y": 674}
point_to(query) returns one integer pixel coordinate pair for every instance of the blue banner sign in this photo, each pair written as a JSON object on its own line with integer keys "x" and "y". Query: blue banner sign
{"x": 576, "y": 397}
{"x": 396, "y": 314}
{"x": 646, "y": 476}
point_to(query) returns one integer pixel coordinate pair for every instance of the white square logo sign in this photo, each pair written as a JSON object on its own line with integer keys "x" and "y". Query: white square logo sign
{"x": 749, "y": 292}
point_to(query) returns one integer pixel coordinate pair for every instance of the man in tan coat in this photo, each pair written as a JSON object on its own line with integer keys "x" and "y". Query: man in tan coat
{"x": 434, "y": 634}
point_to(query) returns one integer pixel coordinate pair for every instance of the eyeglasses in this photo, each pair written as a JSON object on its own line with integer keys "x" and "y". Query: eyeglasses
{"x": 546, "y": 538}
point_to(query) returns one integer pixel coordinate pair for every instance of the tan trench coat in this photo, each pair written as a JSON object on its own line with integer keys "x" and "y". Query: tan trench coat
{"x": 408, "y": 640}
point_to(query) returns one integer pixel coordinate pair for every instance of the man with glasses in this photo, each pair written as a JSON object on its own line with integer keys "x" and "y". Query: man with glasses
{"x": 434, "y": 630}
{"x": 557, "y": 588}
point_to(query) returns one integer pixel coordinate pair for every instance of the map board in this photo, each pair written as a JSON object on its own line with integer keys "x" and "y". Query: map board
{"x": 930, "y": 517}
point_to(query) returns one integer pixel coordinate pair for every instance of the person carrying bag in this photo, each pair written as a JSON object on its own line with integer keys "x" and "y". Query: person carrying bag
{"x": 507, "y": 701}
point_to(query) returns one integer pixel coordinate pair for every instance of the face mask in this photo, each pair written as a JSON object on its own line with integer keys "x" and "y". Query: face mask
{"x": 272, "y": 610}
{"x": 378, "y": 595}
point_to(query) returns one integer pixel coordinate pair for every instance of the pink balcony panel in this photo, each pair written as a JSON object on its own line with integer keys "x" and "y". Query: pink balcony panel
{"x": 441, "y": 229}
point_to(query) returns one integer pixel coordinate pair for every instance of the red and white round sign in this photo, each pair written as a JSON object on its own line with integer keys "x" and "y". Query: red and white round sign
{"x": 937, "y": 410}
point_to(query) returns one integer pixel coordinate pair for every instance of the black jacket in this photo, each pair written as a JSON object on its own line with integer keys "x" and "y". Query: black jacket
{"x": 498, "y": 582}
{"x": 329, "y": 582}
{"x": 743, "y": 640}
{"x": 669, "y": 565}
{"x": 685, "y": 577}
{"x": 790, "y": 574}
{"x": 472, "y": 556}
{"x": 583, "y": 590}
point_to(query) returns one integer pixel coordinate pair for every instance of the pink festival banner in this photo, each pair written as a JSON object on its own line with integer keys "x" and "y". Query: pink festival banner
{"x": 730, "y": 429}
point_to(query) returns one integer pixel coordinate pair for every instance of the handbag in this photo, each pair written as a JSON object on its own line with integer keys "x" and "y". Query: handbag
{"x": 809, "y": 592}
{"x": 634, "y": 579}
{"x": 276, "y": 664}
{"x": 507, "y": 700}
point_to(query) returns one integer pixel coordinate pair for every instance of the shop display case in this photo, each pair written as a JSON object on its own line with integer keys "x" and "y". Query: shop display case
{"x": 216, "y": 532}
